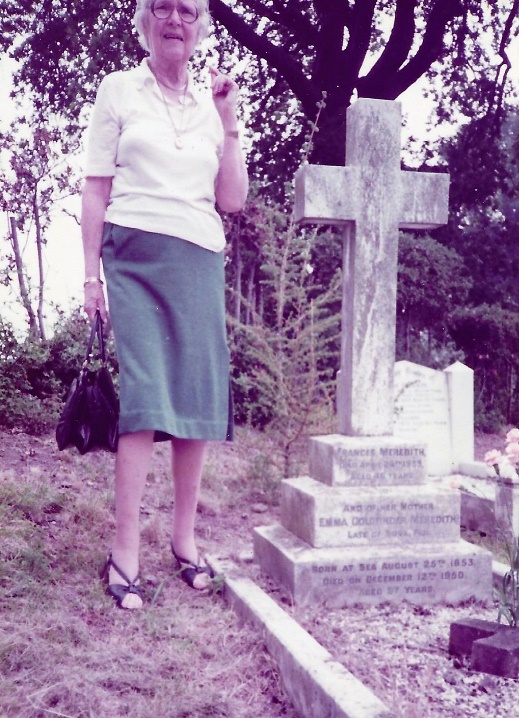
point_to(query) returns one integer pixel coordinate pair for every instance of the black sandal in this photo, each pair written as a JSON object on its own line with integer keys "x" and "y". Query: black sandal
{"x": 119, "y": 591}
{"x": 189, "y": 571}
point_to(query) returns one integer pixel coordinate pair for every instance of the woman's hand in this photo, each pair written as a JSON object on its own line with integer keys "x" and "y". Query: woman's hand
{"x": 225, "y": 97}
{"x": 232, "y": 182}
{"x": 94, "y": 300}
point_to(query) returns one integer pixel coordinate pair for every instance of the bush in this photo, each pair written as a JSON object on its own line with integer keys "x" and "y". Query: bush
{"x": 27, "y": 385}
{"x": 489, "y": 337}
{"x": 35, "y": 375}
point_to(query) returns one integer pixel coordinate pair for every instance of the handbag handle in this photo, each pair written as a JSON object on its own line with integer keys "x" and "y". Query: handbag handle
{"x": 96, "y": 330}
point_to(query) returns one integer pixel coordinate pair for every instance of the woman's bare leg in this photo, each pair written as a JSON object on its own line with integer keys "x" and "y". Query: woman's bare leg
{"x": 188, "y": 457}
{"x": 131, "y": 468}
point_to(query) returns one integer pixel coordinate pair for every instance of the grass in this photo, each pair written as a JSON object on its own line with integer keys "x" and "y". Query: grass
{"x": 66, "y": 650}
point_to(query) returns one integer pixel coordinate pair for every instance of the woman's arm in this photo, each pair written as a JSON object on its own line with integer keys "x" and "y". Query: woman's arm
{"x": 232, "y": 183}
{"x": 94, "y": 200}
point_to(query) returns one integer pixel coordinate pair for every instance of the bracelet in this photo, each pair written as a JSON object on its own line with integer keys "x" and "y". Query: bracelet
{"x": 232, "y": 133}
{"x": 93, "y": 280}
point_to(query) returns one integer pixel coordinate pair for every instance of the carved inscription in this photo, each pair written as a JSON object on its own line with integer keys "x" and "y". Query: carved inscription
{"x": 383, "y": 522}
{"x": 423, "y": 400}
{"x": 422, "y": 412}
{"x": 390, "y": 579}
{"x": 383, "y": 464}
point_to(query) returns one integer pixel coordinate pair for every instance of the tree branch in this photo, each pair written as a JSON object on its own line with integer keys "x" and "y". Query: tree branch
{"x": 329, "y": 70}
{"x": 277, "y": 57}
{"x": 500, "y": 79}
{"x": 399, "y": 44}
{"x": 290, "y": 17}
{"x": 442, "y": 12}
{"x": 360, "y": 34}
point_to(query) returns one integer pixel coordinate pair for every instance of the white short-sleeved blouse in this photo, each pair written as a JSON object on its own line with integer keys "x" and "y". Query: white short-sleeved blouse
{"x": 156, "y": 186}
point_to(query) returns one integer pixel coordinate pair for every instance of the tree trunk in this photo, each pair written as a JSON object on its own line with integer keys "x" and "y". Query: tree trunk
{"x": 41, "y": 278}
{"x": 24, "y": 293}
{"x": 238, "y": 269}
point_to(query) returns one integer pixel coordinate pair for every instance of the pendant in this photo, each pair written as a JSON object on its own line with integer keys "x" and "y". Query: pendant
{"x": 178, "y": 143}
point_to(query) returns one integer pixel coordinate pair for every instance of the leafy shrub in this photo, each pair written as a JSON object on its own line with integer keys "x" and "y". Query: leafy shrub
{"x": 35, "y": 375}
{"x": 489, "y": 337}
{"x": 27, "y": 385}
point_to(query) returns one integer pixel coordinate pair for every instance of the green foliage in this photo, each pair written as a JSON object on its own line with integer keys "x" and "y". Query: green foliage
{"x": 36, "y": 176}
{"x": 463, "y": 303}
{"x": 489, "y": 338}
{"x": 35, "y": 374}
{"x": 509, "y": 593}
{"x": 289, "y": 54}
{"x": 431, "y": 280}
{"x": 27, "y": 387}
{"x": 283, "y": 335}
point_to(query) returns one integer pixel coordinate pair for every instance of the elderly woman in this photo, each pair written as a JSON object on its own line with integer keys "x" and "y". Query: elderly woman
{"x": 161, "y": 152}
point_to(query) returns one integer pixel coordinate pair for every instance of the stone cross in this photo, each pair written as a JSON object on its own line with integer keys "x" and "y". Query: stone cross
{"x": 372, "y": 197}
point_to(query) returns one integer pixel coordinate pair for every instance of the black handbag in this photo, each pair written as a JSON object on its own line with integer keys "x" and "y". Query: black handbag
{"x": 90, "y": 417}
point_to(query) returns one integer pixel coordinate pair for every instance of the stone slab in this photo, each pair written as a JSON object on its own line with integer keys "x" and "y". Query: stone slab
{"x": 425, "y": 200}
{"x": 322, "y": 192}
{"x": 507, "y": 507}
{"x": 317, "y": 685}
{"x": 422, "y": 413}
{"x": 497, "y": 654}
{"x": 464, "y": 632}
{"x": 338, "y": 460}
{"x": 477, "y": 513}
{"x": 477, "y": 469}
{"x": 326, "y": 516}
{"x": 422, "y": 574}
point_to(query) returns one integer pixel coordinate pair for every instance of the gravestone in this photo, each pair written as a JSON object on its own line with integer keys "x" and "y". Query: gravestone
{"x": 436, "y": 408}
{"x": 364, "y": 527}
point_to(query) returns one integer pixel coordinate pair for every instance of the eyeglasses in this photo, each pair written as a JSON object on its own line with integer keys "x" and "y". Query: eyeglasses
{"x": 187, "y": 12}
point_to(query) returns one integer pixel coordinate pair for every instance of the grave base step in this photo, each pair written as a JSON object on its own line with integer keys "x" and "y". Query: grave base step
{"x": 325, "y": 516}
{"x": 421, "y": 574}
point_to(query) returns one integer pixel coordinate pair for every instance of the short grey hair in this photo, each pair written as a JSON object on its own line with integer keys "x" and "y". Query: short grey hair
{"x": 140, "y": 21}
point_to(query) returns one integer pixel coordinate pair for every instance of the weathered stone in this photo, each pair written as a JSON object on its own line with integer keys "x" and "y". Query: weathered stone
{"x": 317, "y": 685}
{"x": 325, "y": 516}
{"x": 460, "y": 382}
{"x": 372, "y": 197}
{"x": 422, "y": 413}
{"x": 477, "y": 513}
{"x": 464, "y": 632}
{"x": 497, "y": 654}
{"x": 436, "y": 408}
{"x": 507, "y": 506}
{"x": 338, "y": 577}
{"x": 399, "y": 544}
{"x": 339, "y": 460}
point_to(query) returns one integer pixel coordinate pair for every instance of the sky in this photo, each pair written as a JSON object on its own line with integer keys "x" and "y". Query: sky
{"x": 63, "y": 253}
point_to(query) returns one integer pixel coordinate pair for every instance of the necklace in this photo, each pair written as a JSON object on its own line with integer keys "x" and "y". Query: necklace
{"x": 179, "y": 143}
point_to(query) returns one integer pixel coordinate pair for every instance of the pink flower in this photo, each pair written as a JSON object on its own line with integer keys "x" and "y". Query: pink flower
{"x": 493, "y": 457}
{"x": 512, "y": 436}
{"x": 512, "y": 452}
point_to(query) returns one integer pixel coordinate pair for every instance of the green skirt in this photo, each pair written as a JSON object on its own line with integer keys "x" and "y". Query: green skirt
{"x": 167, "y": 307}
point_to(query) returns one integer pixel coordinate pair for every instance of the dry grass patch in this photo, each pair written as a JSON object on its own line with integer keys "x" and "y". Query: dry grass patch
{"x": 66, "y": 650}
